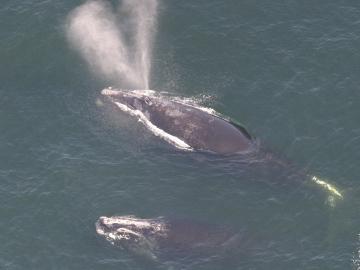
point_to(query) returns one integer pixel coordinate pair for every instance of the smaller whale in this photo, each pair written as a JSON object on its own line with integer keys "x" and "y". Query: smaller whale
{"x": 161, "y": 238}
{"x": 183, "y": 125}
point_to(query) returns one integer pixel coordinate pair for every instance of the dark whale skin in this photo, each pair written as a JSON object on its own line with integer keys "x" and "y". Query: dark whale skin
{"x": 197, "y": 128}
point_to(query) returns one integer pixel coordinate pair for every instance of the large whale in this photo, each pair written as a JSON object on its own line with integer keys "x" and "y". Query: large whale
{"x": 193, "y": 128}
{"x": 165, "y": 239}
{"x": 182, "y": 124}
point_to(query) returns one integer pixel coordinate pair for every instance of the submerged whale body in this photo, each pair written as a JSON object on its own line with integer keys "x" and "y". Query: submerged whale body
{"x": 161, "y": 238}
{"x": 184, "y": 125}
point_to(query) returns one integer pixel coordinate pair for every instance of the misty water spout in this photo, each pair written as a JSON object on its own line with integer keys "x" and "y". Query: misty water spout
{"x": 119, "y": 51}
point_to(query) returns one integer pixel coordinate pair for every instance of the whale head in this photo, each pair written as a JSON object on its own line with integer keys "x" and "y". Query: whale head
{"x": 127, "y": 232}
{"x": 134, "y": 100}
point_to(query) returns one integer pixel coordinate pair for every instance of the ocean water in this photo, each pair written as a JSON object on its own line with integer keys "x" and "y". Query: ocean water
{"x": 288, "y": 70}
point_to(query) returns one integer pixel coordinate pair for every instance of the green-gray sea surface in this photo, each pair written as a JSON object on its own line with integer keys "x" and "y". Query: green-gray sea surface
{"x": 289, "y": 70}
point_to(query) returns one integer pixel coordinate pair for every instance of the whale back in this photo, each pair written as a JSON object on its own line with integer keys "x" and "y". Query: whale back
{"x": 198, "y": 128}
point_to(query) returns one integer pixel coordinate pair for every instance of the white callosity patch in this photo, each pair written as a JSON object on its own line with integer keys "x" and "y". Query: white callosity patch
{"x": 131, "y": 229}
{"x": 121, "y": 234}
{"x": 147, "y": 92}
{"x": 138, "y": 93}
{"x": 132, "y": 221}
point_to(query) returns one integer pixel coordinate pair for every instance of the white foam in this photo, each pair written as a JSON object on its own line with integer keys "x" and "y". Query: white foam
{"x": 356, "y": 257}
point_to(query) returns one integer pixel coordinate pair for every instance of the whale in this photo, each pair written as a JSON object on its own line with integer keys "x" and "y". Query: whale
{"x": 160, "y": 239}
{"x": 194, "y": 128}
{"x": 183, "y": 125}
